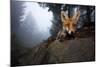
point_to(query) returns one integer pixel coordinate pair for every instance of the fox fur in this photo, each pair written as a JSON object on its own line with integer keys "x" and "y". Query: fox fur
{"x": 69, "y": 24}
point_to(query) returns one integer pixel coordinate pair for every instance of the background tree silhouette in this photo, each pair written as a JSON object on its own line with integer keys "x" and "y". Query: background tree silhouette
{"x": 87, "y": 14}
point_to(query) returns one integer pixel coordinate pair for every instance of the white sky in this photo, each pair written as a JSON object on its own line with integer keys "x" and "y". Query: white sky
{"x": 41, "y": 20}
{"x": 41, "y": 15}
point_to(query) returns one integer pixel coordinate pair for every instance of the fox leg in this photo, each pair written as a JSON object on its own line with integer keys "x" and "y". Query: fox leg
{"x": 61, "y": 35}
{"x": 58, "y": 35}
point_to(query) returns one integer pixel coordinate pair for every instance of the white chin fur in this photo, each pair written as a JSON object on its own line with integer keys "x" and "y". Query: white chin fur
{"x": 69, "y": 32}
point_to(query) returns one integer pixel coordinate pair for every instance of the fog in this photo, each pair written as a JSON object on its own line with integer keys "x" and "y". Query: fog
{"x": 35, "y": 26}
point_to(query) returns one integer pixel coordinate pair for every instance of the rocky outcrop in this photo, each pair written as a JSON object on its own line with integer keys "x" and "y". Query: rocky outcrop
{"x": 52, "y": 51}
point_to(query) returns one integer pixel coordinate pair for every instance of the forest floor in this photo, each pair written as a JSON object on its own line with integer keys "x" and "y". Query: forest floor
{"x": 80, "y": 49}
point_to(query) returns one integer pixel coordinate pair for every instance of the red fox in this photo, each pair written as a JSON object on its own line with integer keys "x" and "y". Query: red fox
{"x": 69, "y": 24}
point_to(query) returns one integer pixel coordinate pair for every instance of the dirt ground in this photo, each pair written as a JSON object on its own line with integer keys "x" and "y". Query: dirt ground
{"x": 80, "y": 49}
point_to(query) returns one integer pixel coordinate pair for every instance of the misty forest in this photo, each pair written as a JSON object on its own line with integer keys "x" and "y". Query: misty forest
{"x": 35, "y": 26}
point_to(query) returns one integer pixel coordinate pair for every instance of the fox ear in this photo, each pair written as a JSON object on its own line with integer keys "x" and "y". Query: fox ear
{"x": 76, "y": 16}
{"x": 64, "y": 16}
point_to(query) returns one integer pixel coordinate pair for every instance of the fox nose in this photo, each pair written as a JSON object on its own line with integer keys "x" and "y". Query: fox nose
{"x": 71, "y": 32}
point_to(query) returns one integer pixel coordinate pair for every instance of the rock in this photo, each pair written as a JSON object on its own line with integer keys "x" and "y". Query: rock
{"x": 80, "y": 49}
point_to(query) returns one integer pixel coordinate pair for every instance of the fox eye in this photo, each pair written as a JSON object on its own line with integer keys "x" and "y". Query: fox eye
{"x": 74, "y": 24}
{"x": 66, "y": 24}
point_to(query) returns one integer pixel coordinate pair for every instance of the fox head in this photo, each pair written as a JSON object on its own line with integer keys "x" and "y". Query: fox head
{"x": 70, "y": 23}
